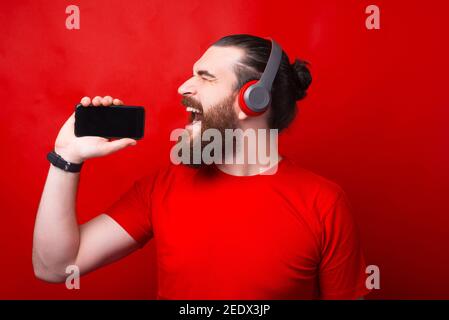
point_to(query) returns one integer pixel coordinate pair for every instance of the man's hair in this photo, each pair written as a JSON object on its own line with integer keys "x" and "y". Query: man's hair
{"x": 290, "y": 84}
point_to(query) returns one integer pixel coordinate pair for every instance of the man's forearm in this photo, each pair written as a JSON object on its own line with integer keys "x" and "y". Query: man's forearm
{"x": 56, "y": 232}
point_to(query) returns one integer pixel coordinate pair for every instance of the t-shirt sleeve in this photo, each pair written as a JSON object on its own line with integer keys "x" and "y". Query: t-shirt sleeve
{"x": 132, "y": 211}
{"x": 342, "y": 267}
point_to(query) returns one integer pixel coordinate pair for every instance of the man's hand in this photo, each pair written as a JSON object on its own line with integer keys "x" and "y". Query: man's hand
{"x": 77, "y": 149}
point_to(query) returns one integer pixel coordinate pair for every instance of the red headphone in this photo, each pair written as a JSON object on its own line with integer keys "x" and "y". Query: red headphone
{"x": 255, "y": 95}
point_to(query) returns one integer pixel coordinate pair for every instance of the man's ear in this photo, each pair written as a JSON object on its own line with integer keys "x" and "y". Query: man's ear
{"x": 240, "y": 114}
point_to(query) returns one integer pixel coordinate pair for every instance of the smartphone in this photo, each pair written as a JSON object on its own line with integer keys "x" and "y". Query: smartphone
{"x": 110, "y": 122}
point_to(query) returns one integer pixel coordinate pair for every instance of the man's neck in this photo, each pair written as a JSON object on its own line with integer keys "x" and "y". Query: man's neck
{"x": 259, "y": 158}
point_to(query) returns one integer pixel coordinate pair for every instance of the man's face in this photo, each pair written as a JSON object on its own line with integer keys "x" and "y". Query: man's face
{"x": 209, "y": 95}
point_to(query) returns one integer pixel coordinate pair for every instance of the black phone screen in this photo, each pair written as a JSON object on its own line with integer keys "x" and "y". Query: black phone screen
{"x": 110, "y": 122}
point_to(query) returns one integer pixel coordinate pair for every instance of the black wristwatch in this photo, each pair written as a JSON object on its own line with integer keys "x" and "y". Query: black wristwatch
{"x": 56, "y": 160}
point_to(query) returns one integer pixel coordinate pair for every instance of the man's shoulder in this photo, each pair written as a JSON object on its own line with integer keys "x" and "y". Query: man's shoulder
{"x": 307, "y": 184}
{"x": 304, "y": 177}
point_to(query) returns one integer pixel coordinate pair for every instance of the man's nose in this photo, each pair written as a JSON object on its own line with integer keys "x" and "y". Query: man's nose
{"x": 187, "y": 88}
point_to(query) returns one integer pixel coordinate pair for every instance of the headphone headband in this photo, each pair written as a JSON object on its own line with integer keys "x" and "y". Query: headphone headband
{"x": 272, "y": 66}
{"x": 255, "y": 96}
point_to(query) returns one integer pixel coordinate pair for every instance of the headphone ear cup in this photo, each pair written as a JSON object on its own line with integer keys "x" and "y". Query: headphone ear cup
{"x": 243, "y": 103}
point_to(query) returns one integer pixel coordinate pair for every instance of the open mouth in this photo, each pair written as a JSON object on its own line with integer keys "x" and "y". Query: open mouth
{"x": 194, "y": 114}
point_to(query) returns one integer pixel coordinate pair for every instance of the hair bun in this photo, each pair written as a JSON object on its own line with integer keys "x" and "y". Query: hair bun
{"x": 302, "y": 76}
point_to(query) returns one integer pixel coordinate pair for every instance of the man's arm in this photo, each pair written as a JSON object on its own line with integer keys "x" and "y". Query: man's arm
{"x": 58, "y": 239}
{"x": 342, "y": 265}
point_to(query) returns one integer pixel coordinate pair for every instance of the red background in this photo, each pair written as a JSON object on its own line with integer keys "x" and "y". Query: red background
{"x": 375, "y": 121}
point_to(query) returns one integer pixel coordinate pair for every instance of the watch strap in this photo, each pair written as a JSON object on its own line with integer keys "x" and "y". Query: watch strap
{"x": 59, "y": 162}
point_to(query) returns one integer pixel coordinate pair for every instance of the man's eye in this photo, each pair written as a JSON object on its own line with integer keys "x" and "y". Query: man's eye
{"x": 202, "y": 78}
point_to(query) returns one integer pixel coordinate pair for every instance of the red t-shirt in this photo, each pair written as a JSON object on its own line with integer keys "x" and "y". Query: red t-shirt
{"x": 284, "y": 236}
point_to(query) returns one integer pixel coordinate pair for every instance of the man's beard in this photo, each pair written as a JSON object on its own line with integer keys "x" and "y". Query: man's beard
{"x": 221, "y": 116}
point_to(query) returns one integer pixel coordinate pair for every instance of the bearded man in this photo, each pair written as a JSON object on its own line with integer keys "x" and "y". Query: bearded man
{"x": 224, "y": 230}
